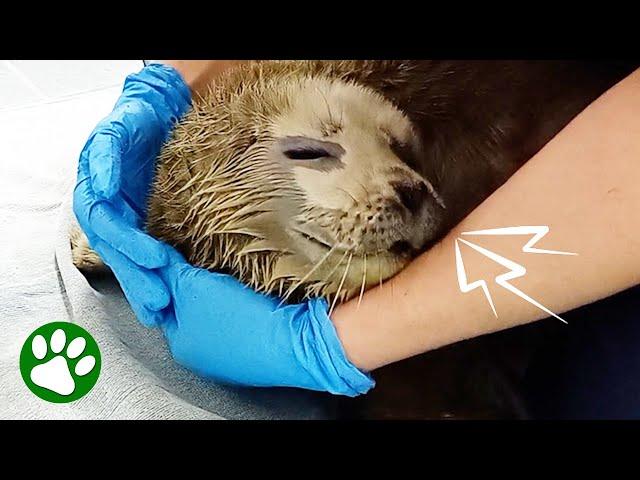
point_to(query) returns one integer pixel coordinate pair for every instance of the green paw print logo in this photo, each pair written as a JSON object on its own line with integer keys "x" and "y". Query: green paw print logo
{"x": 60, "y": 362}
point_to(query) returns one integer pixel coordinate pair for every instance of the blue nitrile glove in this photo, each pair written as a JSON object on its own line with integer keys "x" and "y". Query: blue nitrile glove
{"x": 223, "y": 330}
{"x": 115, "y": 171}
{"x": 213, "y": 324}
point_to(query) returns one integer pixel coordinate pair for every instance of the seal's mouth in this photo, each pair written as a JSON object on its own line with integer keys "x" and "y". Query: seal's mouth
{"x": 400, "y": 249}
{"x": 314, "y": 239}
{"x": 342, "y": 270}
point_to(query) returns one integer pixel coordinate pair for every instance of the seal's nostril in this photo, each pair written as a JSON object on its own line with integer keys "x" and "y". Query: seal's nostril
{"x": 401, "y": 248}
{"x": 411, "y": 194}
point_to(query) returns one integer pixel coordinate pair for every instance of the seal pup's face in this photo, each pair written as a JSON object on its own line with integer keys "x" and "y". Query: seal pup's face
{"x": 362, "y": 212}
{"x": 298, "y": 186}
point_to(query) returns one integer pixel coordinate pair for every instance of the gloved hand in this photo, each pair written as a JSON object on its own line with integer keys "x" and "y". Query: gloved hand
{"x": 213, "y": 324}
{"x": 224, "y": 330}
{"x": 115, "y": 171}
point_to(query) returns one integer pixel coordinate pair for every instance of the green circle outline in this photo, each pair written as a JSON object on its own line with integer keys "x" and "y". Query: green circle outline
{"x": 28, "y": 361}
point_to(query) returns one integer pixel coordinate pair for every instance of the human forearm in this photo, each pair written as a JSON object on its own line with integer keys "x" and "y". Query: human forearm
{"x": 199, "y": 73}
{"x": 584, "y": 185}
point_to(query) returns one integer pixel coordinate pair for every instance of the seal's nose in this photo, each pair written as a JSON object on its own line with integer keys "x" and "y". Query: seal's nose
{"x": 402, "y": 248}
{"x": 412, "y": 194}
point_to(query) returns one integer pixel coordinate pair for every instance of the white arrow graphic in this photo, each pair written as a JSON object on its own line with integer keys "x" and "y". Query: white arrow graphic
{"x": 515, "y": 270}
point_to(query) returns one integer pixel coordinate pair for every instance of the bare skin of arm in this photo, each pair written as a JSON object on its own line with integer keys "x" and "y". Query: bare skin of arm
{"x": 199, "y": 73}
{"x": 584, "y": 185}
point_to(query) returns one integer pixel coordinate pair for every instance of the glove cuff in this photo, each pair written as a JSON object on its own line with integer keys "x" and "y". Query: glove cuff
{"x": 343, "y": 377}
{"x": 161, "y": 86}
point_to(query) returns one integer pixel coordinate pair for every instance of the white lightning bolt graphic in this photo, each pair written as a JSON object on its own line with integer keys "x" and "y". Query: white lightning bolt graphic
{"x": 466, "y": 287}
{"x": 516, "y": 270}
{"x": 538, "y": 232}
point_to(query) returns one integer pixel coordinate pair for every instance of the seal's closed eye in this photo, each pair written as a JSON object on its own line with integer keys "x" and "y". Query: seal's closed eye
{"x": 306, "y": 154}
{"x": 312, "y": 153}
{"x": 305, "y": 148}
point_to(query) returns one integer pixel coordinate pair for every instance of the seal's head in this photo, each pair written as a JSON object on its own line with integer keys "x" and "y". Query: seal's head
{"x": 296, "y": 182}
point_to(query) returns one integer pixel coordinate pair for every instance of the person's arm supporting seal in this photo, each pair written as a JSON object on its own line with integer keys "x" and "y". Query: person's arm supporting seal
{"x": 583, "y": 185}
{"x": 213, "y": 324}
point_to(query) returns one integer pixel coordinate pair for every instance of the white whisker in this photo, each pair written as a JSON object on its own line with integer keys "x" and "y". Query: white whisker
{"x": 335, "y": 267}
{"x": 364, "y": 280}
{"x": 344, "y": 276}
{"x": 307, "y": 275}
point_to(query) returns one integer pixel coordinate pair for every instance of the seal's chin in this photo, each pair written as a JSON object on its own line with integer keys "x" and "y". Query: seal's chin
{"x": 344, "y": 271}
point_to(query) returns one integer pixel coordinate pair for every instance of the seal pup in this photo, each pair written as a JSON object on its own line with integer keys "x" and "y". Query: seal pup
{"x": 307, "y": 178}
